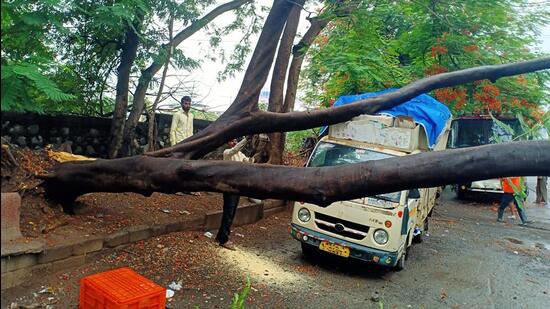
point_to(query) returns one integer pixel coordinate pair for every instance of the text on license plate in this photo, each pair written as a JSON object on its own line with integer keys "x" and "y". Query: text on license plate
{"x": 334, "y": 248}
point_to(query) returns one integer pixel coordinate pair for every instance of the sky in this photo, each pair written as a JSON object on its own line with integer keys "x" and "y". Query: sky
{"x": 213, "y": 95}
{"x": 217, "y": 96}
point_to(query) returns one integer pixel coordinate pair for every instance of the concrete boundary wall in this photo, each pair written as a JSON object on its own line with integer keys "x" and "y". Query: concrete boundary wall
{"x": 86, "y": 135}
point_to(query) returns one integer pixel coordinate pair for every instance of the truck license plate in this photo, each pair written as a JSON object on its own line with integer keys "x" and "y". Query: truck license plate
{"x": 334, "y": 248}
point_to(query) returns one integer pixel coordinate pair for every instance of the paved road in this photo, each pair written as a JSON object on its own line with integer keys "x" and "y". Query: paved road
{"x": 467, "y": 261}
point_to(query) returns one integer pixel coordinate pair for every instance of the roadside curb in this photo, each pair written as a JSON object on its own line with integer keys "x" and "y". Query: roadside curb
{"x": 18, "y": 268}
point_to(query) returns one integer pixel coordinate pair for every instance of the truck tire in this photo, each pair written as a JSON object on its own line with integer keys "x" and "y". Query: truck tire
{"x": 308, "y": 251}
{"x": 401, "y": 263}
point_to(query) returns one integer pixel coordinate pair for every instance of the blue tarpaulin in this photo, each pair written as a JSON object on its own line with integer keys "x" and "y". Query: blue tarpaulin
{"x": 431, "y": 114}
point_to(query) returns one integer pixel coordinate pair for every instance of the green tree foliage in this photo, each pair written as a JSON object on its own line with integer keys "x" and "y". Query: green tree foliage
{"x": 28, "y": 58}
{"x": 295, "y": 139}
{"x": 389, "y": 44}
{"x": 350, "y": 56}
{"x": 89, "y": 50}
{"x": 62, "y": 56}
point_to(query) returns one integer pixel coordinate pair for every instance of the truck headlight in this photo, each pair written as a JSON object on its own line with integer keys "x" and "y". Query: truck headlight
{"x": 304, "y": 215}
{"x": 381, "y": 237}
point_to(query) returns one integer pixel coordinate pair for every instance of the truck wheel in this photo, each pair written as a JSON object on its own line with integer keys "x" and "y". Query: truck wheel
{"x": 401, "y": 263}
{"x": 308, "y": 250}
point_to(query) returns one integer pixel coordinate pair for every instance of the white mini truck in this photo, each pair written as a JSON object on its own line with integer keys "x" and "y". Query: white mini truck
{"x": 380, "y": 228}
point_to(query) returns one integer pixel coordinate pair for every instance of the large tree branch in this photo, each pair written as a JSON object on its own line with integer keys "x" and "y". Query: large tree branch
{"x": 278, "y": 77}
{"x": 322, "y": 185}
{"x": 298, "y": 55}
{"x": 127, "y": 58}
{"x": 236, "y": 123}
{"x": 275, "y": 146}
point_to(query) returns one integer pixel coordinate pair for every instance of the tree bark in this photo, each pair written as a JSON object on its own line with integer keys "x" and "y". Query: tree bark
{"x": 244, "y": 118}
{"x": 276, "y": 144}
{"x": 128, "y": 55}
{"x": 148, "y": 74}
{"x": 151, "y": 136}
{"x": 298, "y": 54}
{"x": 322, "y": 186}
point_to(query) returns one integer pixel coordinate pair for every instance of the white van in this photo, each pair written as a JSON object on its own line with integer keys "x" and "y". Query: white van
{"x": 379, "y": 228}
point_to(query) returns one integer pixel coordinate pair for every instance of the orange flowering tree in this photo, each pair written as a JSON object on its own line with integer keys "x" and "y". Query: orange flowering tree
{"x": 390, "y": 44}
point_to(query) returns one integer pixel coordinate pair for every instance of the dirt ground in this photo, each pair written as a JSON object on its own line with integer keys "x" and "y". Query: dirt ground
{"x": 467, "y": 261}
{"x": 96, "y": 213}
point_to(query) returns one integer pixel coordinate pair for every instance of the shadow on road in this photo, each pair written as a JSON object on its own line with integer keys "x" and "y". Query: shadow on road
{"x": 347, "y": 266}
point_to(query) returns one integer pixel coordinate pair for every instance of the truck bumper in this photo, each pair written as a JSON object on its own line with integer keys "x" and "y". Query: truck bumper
{"x": 481, "y": 186}
{"x": 359, "y": 252}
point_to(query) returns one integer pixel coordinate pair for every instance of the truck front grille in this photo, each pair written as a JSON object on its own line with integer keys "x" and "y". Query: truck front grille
{"x": 344, "y": 228}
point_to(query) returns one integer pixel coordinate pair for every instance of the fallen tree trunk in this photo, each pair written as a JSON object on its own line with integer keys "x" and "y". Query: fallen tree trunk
{"x": 324, "y": 185}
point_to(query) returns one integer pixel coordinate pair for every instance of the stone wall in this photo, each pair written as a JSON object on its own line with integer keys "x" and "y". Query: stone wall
{"x": 86, "y": 135}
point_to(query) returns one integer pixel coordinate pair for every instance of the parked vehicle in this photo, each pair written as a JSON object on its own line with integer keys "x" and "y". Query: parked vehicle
{"x": 469, "y": 131}
{"x": 380, "y": 228}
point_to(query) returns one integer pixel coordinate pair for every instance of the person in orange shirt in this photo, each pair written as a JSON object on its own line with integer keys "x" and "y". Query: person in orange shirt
{"x": 511, "y": 186}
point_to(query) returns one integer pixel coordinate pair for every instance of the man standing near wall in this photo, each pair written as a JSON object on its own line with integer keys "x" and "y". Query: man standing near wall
{"x": 182, "y": 122}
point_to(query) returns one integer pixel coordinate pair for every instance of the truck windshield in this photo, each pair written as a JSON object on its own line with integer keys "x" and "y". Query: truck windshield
{"x": 476, "y": 132}
{"x": 329, "y": 154}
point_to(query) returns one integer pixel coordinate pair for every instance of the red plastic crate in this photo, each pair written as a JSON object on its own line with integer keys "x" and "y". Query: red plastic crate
{"x": 120, "y": 289}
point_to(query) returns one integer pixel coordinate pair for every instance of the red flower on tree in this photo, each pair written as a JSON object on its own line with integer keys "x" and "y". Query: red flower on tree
{"x": 450, "y": 95}
{"x": 436, "y": 69}
{"x": 489, "y": 98}
{"x": 471, "y": 48}
{"x": 439, "y": 50}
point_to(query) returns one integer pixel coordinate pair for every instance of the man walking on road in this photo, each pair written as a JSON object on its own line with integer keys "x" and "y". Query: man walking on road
{"x": 513, "y": 191}
{"x": 182, "y": 122}
{"x": 542, "y": 191}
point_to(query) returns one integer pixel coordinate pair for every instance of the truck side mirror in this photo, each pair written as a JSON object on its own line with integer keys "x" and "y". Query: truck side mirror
{"x": 414, "y": 194}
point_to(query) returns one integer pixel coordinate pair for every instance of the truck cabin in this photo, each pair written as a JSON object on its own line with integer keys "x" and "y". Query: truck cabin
{"x": 470, "y": 131}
